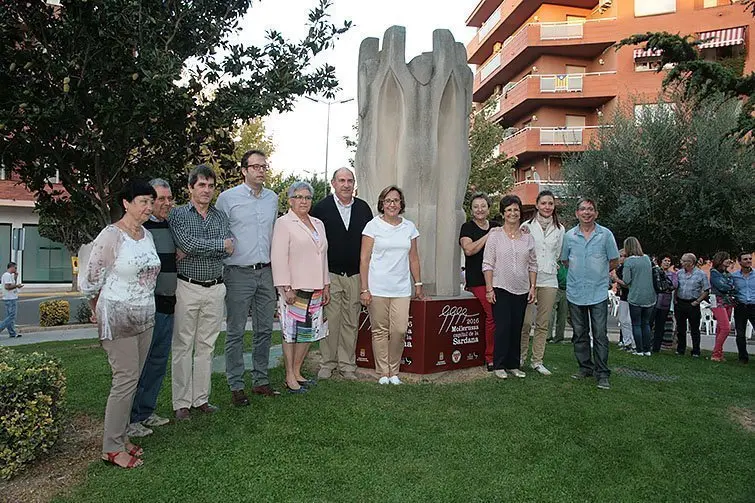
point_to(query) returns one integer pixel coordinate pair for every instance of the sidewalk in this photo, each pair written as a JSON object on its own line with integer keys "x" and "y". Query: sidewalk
{"x": 72, "y": 334}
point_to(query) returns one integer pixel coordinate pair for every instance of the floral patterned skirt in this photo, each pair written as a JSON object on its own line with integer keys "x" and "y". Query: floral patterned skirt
{"x": 304, "y": 320}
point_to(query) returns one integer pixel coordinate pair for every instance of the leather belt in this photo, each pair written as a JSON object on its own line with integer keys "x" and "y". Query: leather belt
{"x": 261, "y": 265}
{"x": 206, "y": 284}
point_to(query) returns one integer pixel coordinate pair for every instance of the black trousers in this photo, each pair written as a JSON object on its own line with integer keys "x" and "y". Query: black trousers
{"x": 659, "y": 328}
{"x": 742, "y": 314}
{"x": 508, "y": 313}
{"x": 685, "y": 312}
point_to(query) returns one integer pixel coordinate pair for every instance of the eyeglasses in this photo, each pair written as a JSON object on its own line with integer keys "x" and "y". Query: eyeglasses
{"x": 258, "y": 167}
{"x": 302, "y": 198}
{"x": 391, "y": 201}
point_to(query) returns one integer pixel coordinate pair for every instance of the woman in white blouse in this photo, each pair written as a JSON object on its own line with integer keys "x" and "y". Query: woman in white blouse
{"x": 119, "y": 281}
{"x": 549, "y": 235}
{"x": 388, "y": 261}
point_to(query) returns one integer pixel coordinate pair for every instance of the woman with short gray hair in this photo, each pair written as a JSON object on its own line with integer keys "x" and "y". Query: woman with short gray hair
{"x": 299, "y": 258}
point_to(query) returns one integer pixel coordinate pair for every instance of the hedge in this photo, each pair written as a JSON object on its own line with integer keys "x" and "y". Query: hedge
{"x": 32, "y": 399}
{"x": 53, "y": 313}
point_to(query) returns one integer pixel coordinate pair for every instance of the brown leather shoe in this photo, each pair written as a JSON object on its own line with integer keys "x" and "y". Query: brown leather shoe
{"x": 239, "y": 398}
{"x": 183, "y": 414}
{"x": 206, "y": 407}
{"x": 265, "y": 390}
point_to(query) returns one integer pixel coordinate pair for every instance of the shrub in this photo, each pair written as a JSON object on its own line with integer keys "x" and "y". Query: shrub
{"x": 53, "y": 313}
{"x": 84, "y": 312}
{"x": 32, "y": 398}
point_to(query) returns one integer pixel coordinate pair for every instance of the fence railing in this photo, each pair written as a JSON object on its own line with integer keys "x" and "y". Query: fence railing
{"x": 562, "y": 31}
{"x": 488, "y": 25}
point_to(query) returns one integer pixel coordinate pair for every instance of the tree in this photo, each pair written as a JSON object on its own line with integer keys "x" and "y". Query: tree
{"x": 697, "y": 78}
{"x": 673, "y": 176}
{"x": 247, "y": 135}
{"x": 104, "y": 90}
{"x": 490, "y": 173}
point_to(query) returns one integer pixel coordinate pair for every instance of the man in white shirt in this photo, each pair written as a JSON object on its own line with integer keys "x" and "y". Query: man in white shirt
{"x": 10, "y": 299}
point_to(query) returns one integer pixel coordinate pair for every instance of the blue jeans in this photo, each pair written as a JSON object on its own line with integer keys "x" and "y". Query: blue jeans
{"x": 583, "y": 320}
{"x": 11, "y": 308}
{"x": 643, "y": 339}
{"x": 151, "y": 379}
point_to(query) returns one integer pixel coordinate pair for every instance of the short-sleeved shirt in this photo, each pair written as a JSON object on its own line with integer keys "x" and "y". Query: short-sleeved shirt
{"x": 389, "y": 274}
{"x": 691, "y": 285}
{"x": 587, "y": 281}
{"x": 473, "y": 263}
{"x": 8, "y": 279}
{"x": 745, "y": 287}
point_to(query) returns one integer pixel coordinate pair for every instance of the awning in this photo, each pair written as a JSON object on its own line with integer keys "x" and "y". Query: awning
{"x": 722, "y": 38}
{"x": 642, "y": 53}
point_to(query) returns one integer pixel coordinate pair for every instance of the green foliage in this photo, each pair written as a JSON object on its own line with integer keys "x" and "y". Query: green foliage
{"x": 674, "y": 177}
{"x": 699, "y": 79}
{"x": 490, "y": 174}
{"x": 83, "y": 313}
{"x": 247, "y": 135}
{"x": 53, "y": 313}
{"x": 735, "y": 63}
{"x": 32, "y": 399}
{"x": 106, "y": 90}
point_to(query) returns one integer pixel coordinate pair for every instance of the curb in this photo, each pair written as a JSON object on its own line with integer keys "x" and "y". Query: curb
{"x": 28, "y": 329}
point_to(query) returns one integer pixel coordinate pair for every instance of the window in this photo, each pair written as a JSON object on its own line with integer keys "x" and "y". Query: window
{"x": 650, "y": 64}
{"x": 6, "y": 231}
{"x": 707, "y": 4}
{"x": 44, "y": 261}
{"x": 653, "y": 7}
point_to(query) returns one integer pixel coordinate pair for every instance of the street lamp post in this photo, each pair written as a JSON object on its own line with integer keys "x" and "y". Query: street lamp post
{"x": 327, "y": 126}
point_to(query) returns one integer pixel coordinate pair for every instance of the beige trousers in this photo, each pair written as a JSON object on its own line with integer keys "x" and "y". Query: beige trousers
{"x": 126, "y": 356}
{"x": 389, "y": 317}
{"x": 546, "y": 297}
{"x": 338, "y": 348}
{"x": 198, "y": 318}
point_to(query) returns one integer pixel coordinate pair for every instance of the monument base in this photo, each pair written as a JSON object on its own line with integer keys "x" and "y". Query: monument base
{"x": 445, "y": 333}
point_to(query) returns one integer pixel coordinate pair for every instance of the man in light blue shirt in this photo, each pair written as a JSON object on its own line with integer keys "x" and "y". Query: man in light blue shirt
{"x": 590, "y": 253}
{"x": 744, "y": 282}
{"x": 252, "y": 210}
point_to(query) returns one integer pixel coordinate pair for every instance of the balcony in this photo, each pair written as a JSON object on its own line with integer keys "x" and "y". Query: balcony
{"x": 498, "y": 20}
{"x": 578, "y": 40}
{"x": 533, "y": 91}
{"x": 529, "y": 189}
{"x": 532, "y": 141}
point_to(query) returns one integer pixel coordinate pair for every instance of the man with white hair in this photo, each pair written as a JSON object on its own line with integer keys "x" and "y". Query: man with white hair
{"x": 693, "y": 288}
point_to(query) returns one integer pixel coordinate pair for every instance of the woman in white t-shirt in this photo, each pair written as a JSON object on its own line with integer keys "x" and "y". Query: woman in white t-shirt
{"x": 388, "y": 262}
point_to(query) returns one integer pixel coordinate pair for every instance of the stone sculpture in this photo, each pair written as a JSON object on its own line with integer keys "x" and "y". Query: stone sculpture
{"x": 413, "y": 133}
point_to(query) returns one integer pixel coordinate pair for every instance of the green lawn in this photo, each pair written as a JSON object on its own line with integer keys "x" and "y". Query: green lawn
{"x": 536, "y": 439}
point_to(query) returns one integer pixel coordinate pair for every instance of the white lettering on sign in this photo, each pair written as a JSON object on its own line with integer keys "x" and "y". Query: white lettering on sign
{"x": 456, "y": 319}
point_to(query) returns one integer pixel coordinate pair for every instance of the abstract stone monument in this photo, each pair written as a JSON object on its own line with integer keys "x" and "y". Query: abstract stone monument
{"x": 413, "y": 133}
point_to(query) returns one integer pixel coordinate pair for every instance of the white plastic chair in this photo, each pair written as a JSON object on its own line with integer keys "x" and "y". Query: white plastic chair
{"x": 707, "y": 320}
{"x": 613, "y": 299}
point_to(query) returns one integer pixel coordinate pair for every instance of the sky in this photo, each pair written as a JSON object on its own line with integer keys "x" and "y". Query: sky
{"x": 299, "y": 136}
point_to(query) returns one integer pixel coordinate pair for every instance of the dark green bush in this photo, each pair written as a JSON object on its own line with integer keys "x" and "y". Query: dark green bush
{"x": 32, "y": 399}
{"x": 84, "y": 312}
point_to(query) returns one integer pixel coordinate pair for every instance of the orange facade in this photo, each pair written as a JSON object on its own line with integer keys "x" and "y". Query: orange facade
{"x": 555, "y": 76}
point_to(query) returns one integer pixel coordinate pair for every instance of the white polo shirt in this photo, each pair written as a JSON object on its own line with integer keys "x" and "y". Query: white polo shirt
{"x": 389, "y": 274}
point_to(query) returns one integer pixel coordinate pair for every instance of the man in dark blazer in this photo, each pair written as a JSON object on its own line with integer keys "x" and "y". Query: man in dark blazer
{"x": 345, "y": 217}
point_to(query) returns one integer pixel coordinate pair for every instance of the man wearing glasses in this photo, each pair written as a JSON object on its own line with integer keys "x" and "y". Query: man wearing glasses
{"x": 251, "y": 210}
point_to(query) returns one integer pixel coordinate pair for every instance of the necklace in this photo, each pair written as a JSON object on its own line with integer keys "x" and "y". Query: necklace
{"x": 135, "y": 233}
{"x": 511, "y": 234}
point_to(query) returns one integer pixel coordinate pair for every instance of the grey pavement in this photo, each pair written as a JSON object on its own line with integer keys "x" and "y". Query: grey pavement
{"x": 72, "y": 334}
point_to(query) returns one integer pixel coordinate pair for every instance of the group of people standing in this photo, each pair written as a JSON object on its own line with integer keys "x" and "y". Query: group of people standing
{"x": 160, "y": 279}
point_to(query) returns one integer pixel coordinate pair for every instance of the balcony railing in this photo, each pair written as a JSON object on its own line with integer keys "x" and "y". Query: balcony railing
{"x": 491, "y": 66}
{"x": 488, "y": 25}
{"x": 558, "y": 135}
{"x": 548, "y": 31}
{"x": 569, "y": 82}
{"x": 562, "y": 31}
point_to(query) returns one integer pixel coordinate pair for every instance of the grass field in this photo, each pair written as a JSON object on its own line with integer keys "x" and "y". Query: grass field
{"x": 536, "y": 439}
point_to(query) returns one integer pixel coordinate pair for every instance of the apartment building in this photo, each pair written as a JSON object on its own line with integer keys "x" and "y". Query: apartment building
{"x": 556, "y": 77}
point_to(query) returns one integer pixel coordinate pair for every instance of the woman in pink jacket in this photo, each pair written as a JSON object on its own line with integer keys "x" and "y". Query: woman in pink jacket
{"x": 299, "y": 259}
